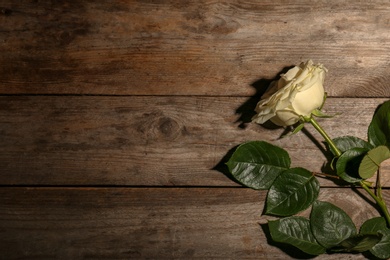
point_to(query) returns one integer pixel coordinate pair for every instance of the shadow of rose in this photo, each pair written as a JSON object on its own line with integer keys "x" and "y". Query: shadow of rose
{"x": 247, "y": 109}
{"x": 246, "y": 112}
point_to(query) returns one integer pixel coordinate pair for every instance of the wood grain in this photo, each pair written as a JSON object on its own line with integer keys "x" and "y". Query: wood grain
{"x": 220, "y": 48}
{"x": 149, "y": 141}
{"x": 148, "y": 223}
{"x": 116, "y": 119}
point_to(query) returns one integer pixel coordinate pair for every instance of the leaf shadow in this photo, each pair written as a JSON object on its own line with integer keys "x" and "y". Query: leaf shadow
{"x": 367, "y": 254}
{"x": 286, "y": 248}
{"x": 223, "y": 168}
{"x": 246, "y": 112}
{"x": 327, "y": 166}
{"x": 366, "y": 198}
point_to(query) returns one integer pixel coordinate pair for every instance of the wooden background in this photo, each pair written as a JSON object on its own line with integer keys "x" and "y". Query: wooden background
{"x": 116, "y": 118}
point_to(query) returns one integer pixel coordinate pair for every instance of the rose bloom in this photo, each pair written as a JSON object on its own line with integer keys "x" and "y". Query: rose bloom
{"x": 297, "y": 93}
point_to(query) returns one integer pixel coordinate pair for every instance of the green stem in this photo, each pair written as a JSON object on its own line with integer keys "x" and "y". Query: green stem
{"x": 378, "y": 198}
{"x": 326, "y": 136}
{"x": 326, "y": 175}
{"x": 378, "y": 186}
{"x": 381, "y": 203}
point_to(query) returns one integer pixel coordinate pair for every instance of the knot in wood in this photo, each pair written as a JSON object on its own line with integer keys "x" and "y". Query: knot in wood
{"x": 158, "y": 127}
{"x": 168, "y": 127}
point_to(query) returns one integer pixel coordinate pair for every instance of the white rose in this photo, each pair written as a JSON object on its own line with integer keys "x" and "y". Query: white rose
{"x": 297, "y": 93}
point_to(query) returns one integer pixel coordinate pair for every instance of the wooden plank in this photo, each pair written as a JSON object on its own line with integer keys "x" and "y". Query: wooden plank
{"x": 148, "y": 223}
{"x": 174, "y": 141}
{"x": 222, "y": 48}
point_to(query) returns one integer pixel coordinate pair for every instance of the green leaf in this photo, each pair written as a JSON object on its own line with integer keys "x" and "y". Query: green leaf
{"x": 348, "y": 163}
{"x": 295, "y": 231}
{"x": 379, "y": 128}
{"x": 358, "y": 243}
{"x": 320, "y": 114}
{"x": 372, "y": 160}
{"x": 345, "y": 143}
{"x": 378, "y": 224}
{"x": 330, "y": 225}
{"x": 293, "y": 191}
{"x": 382, "y": 249}
{"x": 294, "y": 131}
{"x": 298, "y": 128}
{"x": 256, "y": 164}
{"x": 373, "y": 225}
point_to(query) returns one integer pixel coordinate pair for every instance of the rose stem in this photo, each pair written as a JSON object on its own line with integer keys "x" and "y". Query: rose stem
{"x": 379, "y": 201}
{"x": 326, "y": 175}
{"x": 378, "y": 186}
{"x": 326, "y": 136}
{"x": 379, "y": 194}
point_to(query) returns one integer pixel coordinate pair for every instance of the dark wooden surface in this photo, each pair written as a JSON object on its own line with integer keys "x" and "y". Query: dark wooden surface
{"x": 190, "y": 47}
{"x": 116, "y": 118}
{"x": 149, "y": 141}
{"x": 152, "y": 223}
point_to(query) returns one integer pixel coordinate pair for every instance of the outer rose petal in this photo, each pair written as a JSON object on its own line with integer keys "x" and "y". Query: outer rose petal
{"x": 314, "y": 95}
{"x": 297, "y": 93}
